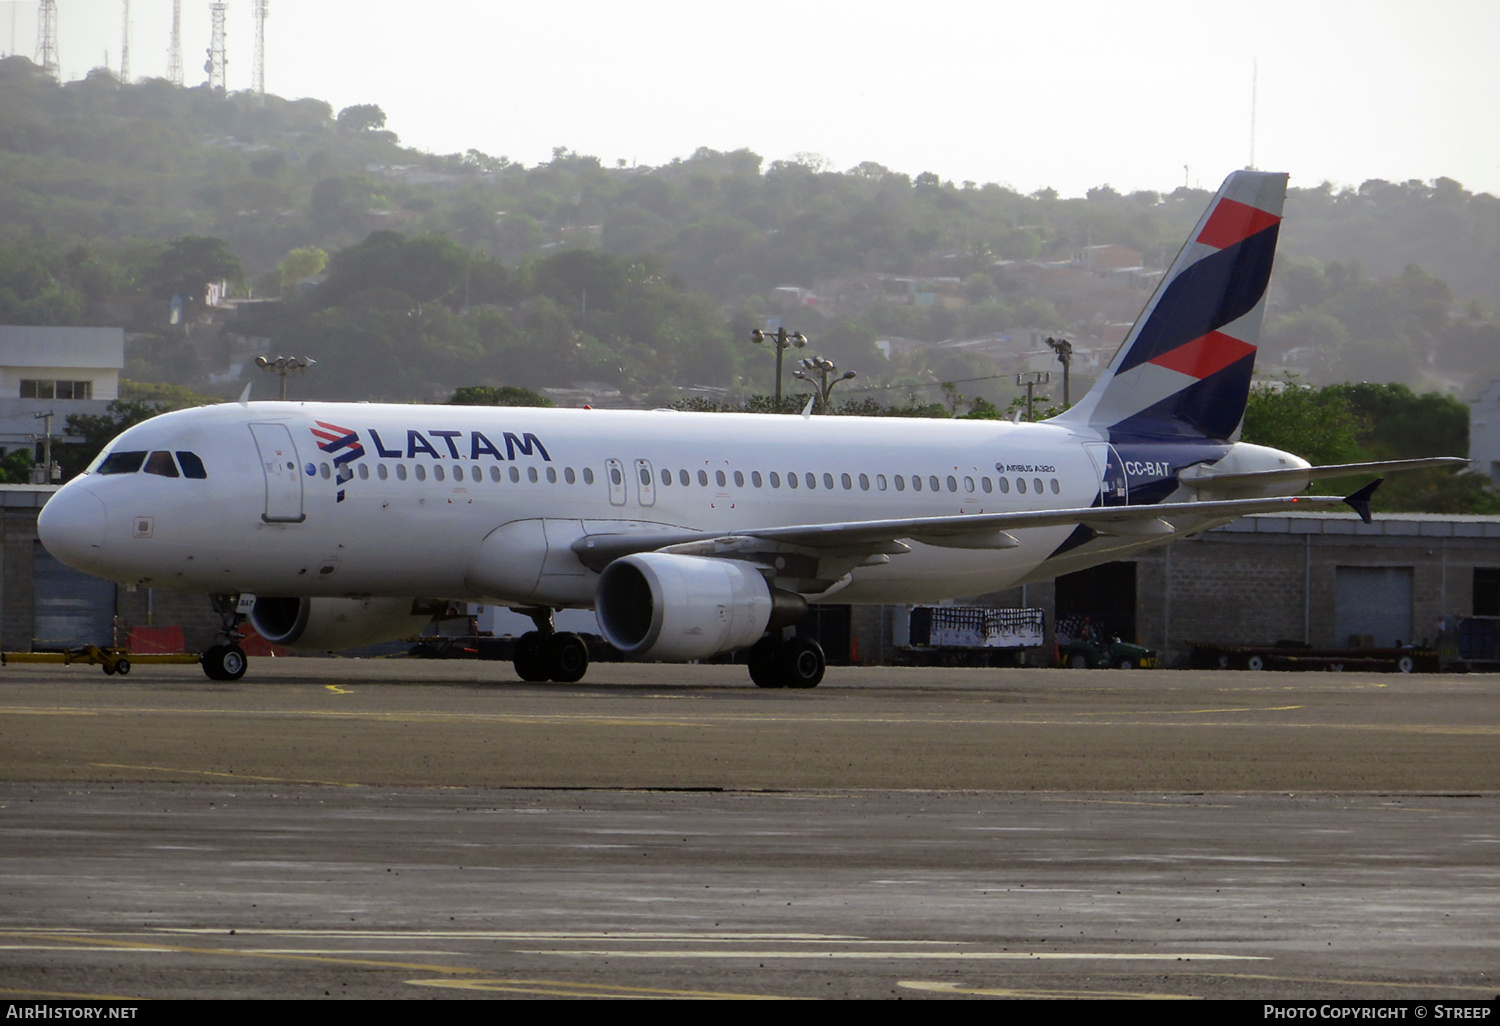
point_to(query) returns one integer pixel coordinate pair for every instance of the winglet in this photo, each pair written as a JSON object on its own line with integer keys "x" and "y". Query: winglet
{"x": 245, "y": 395}
{"x": 1360, "y": 500}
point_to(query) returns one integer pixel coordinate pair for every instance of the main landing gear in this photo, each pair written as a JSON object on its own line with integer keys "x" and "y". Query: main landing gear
{"x": 793, "y": 663}
{"x": 227, "y": 661}
{"x": 548, "y": 654}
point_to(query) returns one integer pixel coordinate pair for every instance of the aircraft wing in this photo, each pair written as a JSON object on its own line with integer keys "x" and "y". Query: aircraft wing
{"x": 865, "y": 540}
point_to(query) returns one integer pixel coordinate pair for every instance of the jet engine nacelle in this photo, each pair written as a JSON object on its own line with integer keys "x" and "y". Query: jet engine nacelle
{"x": 677, "y": 608}
{"x": 330, "y": 624}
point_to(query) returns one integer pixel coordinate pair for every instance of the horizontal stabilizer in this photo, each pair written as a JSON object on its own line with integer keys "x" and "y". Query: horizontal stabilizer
{"x": 1205, "y": 479}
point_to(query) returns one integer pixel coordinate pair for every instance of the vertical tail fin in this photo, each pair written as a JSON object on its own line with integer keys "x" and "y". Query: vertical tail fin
{"x": 1184, "y": 369}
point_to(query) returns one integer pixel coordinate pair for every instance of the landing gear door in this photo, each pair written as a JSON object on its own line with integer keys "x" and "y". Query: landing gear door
{"x": 278, "y": 459}
{"x": 1113, "y": 488}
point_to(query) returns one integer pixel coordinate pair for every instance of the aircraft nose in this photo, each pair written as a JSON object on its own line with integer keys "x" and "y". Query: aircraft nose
{"x": 71, "y": 526}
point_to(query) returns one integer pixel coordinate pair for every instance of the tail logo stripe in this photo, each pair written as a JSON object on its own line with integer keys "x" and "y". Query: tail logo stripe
{"x": 1233, "y": 221}
{"x": 1205, "y": 355}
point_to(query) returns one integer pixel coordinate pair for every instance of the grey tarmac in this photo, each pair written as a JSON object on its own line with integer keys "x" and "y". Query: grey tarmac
{"x": 405, "y": 829}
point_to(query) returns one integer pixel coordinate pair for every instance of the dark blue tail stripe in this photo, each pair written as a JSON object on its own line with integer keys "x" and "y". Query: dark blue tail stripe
{"x": 1210, "y": 408}
{"x": 1217, "y": 290}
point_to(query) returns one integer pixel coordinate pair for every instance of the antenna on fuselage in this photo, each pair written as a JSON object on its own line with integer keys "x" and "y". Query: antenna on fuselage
{"x": 245, "y": 395}
{"x": 807, "y": 410}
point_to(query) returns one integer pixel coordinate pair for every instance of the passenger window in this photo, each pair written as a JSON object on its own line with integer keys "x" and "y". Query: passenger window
{"x": 932, "y": 482}
{"x": 325, "y": 471}
{"x": 864, "y": 482}
{"x": 161, "y": 465}
{"x": 828, "y": 481}
{"x": 420, "y": 471}
{"x": 614, "y": 477}
{"x": 739, "y": 479}
{"x": 552, "y": 476}
{"x": 588, "y": 475}
{"x": 775, "y": 479}
{"x": 791, "y": 480}
{"x": 683, "y": 478}
{"x": 569, "y": 476}
{"x": 192, "y": 466}
{"x": 1021, "y": 485}
{"x": 364, "y": 472}
{"x": 666, "y": 477}
{"x": 812, "y": 480}
{"x": 719, "y": 478}
{"x": 984, "y": 483}
{"x": 916, "y": 482}
{"x": 437, "y": 472}
{"x": 953, "y": 484}
{"x": 515, "y": 475}
{"x": 1056, "y": 488}
{"x": 401, "y": 472}
{"x": 382, "y": 472}
{"x": 645, "y": 477}
{"x": 122, "y": 463}
{"x": 755, "y": 478}
{"x": 495, "y": 474}
{"x": 703, "y": 479}
{"x": 846, "y": 481}
{"x": 1005, "y": 486}
{"x": 1037, "y": 482}
{"x": 900, "y": 483}
{"x": 880, "y": 482}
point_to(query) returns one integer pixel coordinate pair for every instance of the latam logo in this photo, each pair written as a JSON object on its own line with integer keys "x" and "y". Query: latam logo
{"x": 343, "y": 444}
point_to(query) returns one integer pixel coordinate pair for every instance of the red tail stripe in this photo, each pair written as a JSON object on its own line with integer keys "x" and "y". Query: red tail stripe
{"x": 1233, "y": 222}
{"x": 1205, "y": 355}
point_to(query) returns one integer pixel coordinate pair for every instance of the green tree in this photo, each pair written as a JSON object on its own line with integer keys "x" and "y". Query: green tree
{"x": 504, "y": 395}
{"x": 189, "y": 264}
{"x": 362, "y": 117}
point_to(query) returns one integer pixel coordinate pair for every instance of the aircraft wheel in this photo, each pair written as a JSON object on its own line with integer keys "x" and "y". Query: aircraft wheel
{"x": 232, "y": 663}
{"x": 762, "y": 662}
{"x": 1127, "y": 664}
{"x": 567, "y": 657}
{"x": 122, "y": 666}
{"x": 1255, "y": 662}
{"x": 801, "y": 663}
{"x": 531, "y": 657}
{"x": 210, "y": 659}
{"x": 1078, "y": 661}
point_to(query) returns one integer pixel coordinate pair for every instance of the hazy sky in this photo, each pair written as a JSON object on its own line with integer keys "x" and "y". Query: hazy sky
{"x": 1063, "y": 93}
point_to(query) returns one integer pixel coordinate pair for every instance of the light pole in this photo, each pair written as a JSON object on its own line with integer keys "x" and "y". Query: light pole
{"x": 822, "y": 367}
{"x": 782, "y": 341}
{"x": 1064, "y": 350}
{"x": 1031, "y": 380}
{"x": 284, "y": 365}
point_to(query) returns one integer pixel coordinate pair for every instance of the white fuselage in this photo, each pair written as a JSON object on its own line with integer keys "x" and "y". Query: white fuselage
{"x": 325, "y": 499}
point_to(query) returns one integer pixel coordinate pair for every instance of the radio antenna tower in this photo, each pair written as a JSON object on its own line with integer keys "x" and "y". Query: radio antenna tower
{"x": 216, "y": 59}
{"x": 46, "y": 38}
{"x": 174, "y": 51}
{"x": 125, "y": 48}
{"x": 258, "y": 77}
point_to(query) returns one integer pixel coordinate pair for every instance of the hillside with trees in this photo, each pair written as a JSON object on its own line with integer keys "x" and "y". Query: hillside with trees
{"x": 408, "y": 275}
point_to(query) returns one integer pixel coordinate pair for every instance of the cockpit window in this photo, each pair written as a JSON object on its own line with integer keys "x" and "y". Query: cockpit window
{"x": 161, "y": 464}
{"x": 122, "y": 463}
{"x": 192, "y": 466}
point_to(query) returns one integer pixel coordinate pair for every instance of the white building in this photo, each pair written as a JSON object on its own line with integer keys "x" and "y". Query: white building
{"x": 58, "y": 370}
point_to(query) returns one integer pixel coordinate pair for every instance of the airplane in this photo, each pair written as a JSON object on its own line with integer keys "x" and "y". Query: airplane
{"x": 333, "y": 525}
